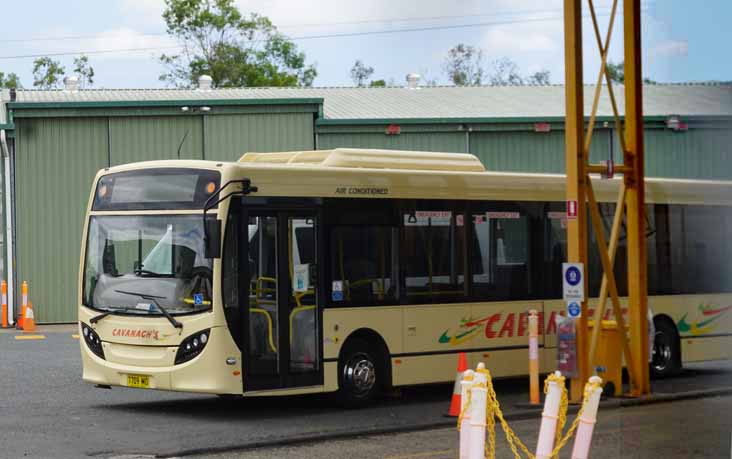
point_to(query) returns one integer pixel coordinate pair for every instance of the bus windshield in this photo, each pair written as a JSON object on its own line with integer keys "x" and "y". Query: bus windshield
{"x": 152, "y": 255}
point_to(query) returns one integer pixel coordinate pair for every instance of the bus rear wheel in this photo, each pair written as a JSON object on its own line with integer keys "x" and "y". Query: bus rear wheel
{"x": 360, "y": 376}
{"x": 666, "y": 357}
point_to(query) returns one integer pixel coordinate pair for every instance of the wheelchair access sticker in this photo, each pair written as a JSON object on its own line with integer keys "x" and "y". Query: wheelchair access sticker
{"x": 198, "y": 299}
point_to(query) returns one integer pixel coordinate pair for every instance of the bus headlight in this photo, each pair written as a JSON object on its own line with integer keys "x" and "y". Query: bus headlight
{"x": 192, "y": 346}
{"x": 92, "y": 340}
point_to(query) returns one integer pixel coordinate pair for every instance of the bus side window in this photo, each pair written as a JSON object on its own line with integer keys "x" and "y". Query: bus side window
{"x": 433, "y": 254}
{"x": 501, "y": 268}
{"x": 361, "y": 265}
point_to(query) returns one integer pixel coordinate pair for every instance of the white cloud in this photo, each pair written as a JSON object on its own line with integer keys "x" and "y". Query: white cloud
{"x": 128, "y": 38}
{"x": 145, "y": 12}
{"x": 671, "y": 48}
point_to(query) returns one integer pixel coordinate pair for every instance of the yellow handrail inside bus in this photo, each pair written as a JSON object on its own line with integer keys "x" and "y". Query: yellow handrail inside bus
{"x": 269, "y": 326}
{"x": 298, "y": 310}
{"x": 190, "y": 301}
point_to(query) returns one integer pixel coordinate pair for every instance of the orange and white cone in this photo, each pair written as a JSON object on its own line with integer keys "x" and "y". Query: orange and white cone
{"x": 29, "y": 322}
{"x": 24, "y": 305}
{"x": 456, "y": 397}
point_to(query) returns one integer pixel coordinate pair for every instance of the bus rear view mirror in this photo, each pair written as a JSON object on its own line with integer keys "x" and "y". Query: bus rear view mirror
{"x": 212, "y": 238}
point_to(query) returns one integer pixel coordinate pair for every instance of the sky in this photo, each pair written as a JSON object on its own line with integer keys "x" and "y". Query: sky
{"x": 682, "y": 41}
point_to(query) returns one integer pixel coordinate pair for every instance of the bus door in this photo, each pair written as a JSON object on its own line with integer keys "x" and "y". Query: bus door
{"x": 282, "y": 325}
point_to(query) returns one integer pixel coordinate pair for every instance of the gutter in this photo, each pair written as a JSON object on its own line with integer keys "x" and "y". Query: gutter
{"x": 9, "y": 266}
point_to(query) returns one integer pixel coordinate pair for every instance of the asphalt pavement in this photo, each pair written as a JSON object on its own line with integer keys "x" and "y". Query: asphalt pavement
{"x": 48, "y": 412}
{"x": 698, "y": 429}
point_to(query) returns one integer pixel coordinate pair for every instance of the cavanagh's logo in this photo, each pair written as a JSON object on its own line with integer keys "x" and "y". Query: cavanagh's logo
{"x": 130, "y": 333}
{"x": 509, "y": 324}
{"x": 705, "y": 323}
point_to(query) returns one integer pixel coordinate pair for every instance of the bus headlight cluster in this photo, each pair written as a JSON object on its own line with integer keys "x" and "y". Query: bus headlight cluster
{"x": 192, "y": 346}
{"x": 92, "y": 340}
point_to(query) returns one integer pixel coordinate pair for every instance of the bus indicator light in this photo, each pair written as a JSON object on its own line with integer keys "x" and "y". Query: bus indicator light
{"x": 210, "y": 187}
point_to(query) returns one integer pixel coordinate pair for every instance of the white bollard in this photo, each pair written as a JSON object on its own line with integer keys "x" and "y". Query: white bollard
{"x": 465, "y": 385}
{"x": 586, "y": 426}
{"x": 549, "y": 417}
{"x": 478, "y": 399}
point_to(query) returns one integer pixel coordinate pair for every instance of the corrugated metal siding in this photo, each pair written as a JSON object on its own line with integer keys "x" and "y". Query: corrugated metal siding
{"x": 154, "y": 137}
{"x": 529, "y": 151}
{"x": 696, "y": 153}
{"x": 230, "y": 136}
{"x": 56, "y": 160}
{"x": 422, "y": 141}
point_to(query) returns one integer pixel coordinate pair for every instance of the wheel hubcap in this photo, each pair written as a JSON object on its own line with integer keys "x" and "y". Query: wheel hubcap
{"x": 361, "y": 373}
{"x": 661, "y": 352}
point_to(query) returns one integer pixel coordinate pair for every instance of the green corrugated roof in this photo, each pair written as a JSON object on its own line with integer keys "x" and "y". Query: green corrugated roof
{"x": 436, "y": 102}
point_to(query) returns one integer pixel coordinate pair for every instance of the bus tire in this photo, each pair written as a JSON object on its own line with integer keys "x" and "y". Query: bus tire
{"x": 360, "y": 374}
{"x": 666, "y": 357}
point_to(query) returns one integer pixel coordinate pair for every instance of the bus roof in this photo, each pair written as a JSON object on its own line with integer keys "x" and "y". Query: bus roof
{"x": 358, "y": 173}
{"x": 372, "y": 159}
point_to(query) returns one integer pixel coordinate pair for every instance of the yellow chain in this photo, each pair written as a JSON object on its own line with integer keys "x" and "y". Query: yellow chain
{"x": 467, "y": 401}
{"x": 493, "y": 411}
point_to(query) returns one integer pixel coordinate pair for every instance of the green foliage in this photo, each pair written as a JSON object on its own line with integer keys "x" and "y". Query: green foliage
{"x": 236, "y": 51}
{"x": 84, "y": 71}
{"x": 505, "y": 73}
{"x": 360, "y": 73}
{"x": 47, "y": 73}
{"x": 542, "y": 77}
{"x": 377, "y": 84}
{"x": 616, "y": 72}
{"x": 11, "y": 81}
{"x": 464, "y": 65}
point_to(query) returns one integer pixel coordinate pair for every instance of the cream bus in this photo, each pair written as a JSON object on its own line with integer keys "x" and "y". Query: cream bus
{"x": 352, "y": 270}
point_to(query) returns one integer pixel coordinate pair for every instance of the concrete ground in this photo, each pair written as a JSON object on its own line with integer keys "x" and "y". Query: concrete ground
{"x": 47, "y": 412}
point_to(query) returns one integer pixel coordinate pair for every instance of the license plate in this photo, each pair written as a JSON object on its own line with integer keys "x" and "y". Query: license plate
{"x": 140, "y": 381}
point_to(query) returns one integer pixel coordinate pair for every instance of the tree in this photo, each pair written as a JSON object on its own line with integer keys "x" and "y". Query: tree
{"x": 84, "y": 71}
{"x": 11, "y": 81}
{"x": 360, "y": 73}
{"x": 541, "y": 77}
{"x": 616, "y": 72}
{"x": 377, "y": 84}
{"x": 464, "y": 65}
{"x": 235, "y": 50}
{"x": 47, "y": 73}
{"x": 505, "y": 73}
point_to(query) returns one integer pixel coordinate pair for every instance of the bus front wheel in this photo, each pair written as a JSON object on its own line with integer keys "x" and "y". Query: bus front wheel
{"x": 666, "y": 356}
{"x": 360, "y": 375}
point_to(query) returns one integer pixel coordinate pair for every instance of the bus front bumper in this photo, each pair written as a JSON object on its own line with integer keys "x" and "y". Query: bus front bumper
{"x": 210, "y": 372}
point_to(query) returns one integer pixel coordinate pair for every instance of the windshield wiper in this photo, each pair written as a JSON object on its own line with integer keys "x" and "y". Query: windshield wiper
{"x": 154, "y": 299}
{"x": 146, "y": 273}
{"x": 101, "y": 316}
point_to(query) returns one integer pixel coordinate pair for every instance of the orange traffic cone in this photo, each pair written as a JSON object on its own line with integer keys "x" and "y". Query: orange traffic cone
{"x": 455, "y": 403}
{"x": 29, "y": 322}
{"x": 19, "y": 322}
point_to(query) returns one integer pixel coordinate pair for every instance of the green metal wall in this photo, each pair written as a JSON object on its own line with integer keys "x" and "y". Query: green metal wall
{"x": 55, "y": 162}
{"x": 155, "y": 137}
{"x": 422, "y": 141}
{"x": 696, "y": 153}
{"x": 56, "y": 159}
{"x": 230, "y": 136}
{"x": 527, "y": 151}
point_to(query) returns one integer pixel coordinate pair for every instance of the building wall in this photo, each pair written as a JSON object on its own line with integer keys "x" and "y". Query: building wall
{"x": 55, "y": 162}
{"x": 58, "y": 153}
{"x": 702, "y": 152}
{"x": 56, "y": 159}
